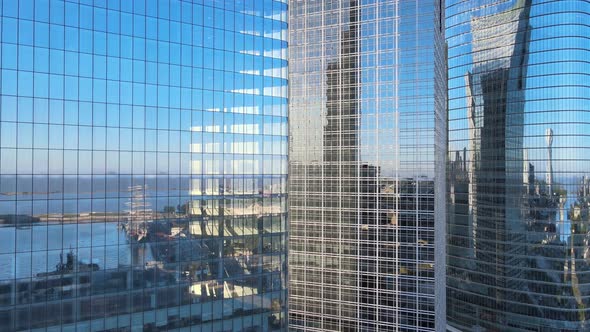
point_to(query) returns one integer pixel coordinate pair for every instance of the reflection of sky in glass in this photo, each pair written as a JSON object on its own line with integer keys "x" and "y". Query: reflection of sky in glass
{"x": 92, "y": 77}
{"x": 554, "y": 85}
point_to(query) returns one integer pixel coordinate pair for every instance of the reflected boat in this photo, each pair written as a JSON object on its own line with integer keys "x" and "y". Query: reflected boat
{"x": 70, "y": 266}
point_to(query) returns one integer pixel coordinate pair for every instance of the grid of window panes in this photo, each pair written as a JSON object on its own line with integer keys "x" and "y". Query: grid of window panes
{"x": 519, "y": 171}
{"x": 361, "y": 181}
{"x": 143, "y": 162}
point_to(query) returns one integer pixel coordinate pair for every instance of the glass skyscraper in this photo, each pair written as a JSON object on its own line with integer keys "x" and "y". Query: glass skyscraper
{"x": 518, "y": 249}
{"x": 143, "y": 165}
{"x": 367, "y": 112}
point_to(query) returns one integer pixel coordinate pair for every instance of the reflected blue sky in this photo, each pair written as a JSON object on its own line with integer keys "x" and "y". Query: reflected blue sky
{"x": 130, "y": 77}
{"x": 554, "y": 84}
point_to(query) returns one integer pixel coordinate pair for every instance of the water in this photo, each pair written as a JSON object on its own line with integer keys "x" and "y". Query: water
{"x": 43, "y": 194}
{"x": 25, "y": 252}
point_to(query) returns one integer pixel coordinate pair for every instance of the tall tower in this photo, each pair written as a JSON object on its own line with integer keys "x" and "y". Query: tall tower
{"x": 366, "y": 88}
{"x": 549, "y": 172}
{"x": 505, "y": 255}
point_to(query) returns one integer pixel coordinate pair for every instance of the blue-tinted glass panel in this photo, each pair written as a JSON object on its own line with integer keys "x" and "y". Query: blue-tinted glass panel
{"x": 519, "y": 177}
{"x": 119, "y": 208}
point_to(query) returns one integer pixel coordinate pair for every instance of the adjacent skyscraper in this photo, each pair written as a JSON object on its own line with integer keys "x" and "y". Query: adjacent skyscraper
{"x": 518, "y": 210}
{"x": 367, "y": 111}
{"x": 143, "y": 165}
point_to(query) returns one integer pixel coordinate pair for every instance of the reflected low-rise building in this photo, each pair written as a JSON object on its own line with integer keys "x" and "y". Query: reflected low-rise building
{"x": 143, "y": 165}
{"x": 518, "y": 166}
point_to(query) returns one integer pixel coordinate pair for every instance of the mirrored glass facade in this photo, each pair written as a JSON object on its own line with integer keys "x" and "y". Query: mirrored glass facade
{"x": 367, "y": 104}
{"x": 518, "y": 250}
{"x": 143, "y": 165}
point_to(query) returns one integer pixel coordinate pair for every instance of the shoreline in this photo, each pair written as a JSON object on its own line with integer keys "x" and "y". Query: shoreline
{"x": 86, "y": 218}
